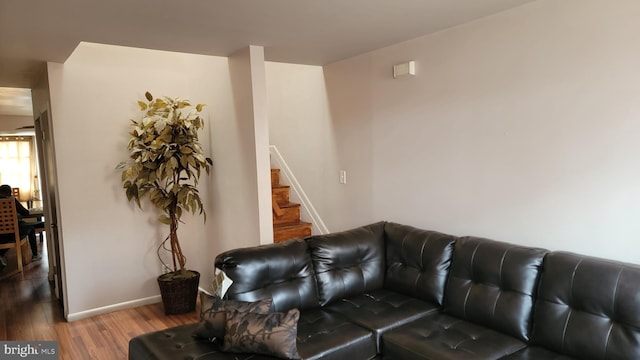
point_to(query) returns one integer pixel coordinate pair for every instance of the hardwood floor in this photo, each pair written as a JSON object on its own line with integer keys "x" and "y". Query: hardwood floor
{"x": 29, "y": 311}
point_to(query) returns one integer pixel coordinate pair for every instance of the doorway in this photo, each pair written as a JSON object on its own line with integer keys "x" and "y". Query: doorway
{"x": 46, "y": 163}
{"x": 25, "y": 113}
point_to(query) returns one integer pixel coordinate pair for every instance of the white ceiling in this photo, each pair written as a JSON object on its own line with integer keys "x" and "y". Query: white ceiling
{"x": 314, "y": 32}
{"x": 15, "y": 102}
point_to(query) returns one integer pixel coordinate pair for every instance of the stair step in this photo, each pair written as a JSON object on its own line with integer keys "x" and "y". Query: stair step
{"x": 299, "y": 230}
{"x": 290, "y": 214}
{"x": 286, "y": 224}
{"x": 275, "y": 177}
{"x": 281, "y": 193}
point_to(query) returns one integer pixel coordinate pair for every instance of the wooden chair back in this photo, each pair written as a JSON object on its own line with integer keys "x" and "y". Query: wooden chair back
{"x": 9, "y": 225}
{"x": 15, "y": 192}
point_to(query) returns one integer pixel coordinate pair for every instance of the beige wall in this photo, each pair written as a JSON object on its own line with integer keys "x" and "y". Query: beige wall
{"x": 522, "y": 127}
{"x": 299, "y": 127}
{"x": 110, "y": 244}
{"x": 318, "y": 140}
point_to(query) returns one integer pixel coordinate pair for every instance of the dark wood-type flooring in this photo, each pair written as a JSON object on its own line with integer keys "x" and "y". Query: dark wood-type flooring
{"x": 30, "y": 311}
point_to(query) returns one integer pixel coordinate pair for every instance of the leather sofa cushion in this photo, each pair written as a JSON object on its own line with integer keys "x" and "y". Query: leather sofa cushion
{"x": 536, "y": 353}
{"x": 381, "y": 310}
{"x": 321, "y": 335}
{"x": 588, "y": 307}
{"x": 280, "y": 271}
{"x": 418, "y": 261}
{"x": 493, "y": 284}
{"x": 327, "y": 336}
{"x": 441, "y": 336}
{"x": 348, "y": 263}
{"x": 178, "y": 343}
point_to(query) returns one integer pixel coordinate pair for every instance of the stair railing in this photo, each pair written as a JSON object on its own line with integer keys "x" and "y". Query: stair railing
{"x": 308, "y": 212}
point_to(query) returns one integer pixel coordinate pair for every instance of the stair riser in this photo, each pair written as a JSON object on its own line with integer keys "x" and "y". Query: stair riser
{"x": 291, "y": 215}
{"x": 275, "y": 177}
{"x": 287, "y": 224}
{"x": 286, "y": 234}
{"x": 281, "y": 194}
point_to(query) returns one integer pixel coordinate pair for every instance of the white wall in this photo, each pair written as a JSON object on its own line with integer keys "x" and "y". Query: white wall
{"x": 110, "y": 244}
{"x": 315, "y": 141}
{"x": 521, "y": 127}
{"x": 299, "y": 127}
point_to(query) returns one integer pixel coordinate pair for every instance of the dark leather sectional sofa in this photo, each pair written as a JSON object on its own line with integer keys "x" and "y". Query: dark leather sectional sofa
{"x": 391, "y": 291}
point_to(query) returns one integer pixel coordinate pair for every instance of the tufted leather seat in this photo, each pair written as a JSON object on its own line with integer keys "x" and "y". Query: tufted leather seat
{"x": 323, "y": 335}
{"x": 443, "y": 336}
{"x": 588, "y": 308}
{"x": 536, "y": 353}
{"x": 177, "y": 343}
{"x": 381, "y": 310}
{"x": 417, "y": 266}
{"x": 288, "y": 277}
{"x": 396, "y": 292}
{"x": 487, "y": 305}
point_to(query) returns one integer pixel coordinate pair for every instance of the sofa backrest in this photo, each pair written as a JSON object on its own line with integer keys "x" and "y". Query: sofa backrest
{"x": 281, "y": 271}
{"x": 418, "y": 261}
{"x": 493, "y": 284}
{"x": 348, "y": 263}
{"x": 588, "y": 308}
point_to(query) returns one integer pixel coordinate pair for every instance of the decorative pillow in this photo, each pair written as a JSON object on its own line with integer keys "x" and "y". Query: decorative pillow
{"x": 270, "y": 334}
{"x": 213, "y": 314}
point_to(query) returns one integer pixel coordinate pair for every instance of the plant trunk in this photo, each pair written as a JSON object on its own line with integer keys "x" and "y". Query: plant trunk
{"x": 176, "y": 252}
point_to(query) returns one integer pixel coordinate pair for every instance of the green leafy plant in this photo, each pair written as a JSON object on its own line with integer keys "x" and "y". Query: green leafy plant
{"x": 166, "y": 163}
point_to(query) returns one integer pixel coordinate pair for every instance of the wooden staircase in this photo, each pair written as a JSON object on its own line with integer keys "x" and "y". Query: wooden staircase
{"x": 286, "y": 215}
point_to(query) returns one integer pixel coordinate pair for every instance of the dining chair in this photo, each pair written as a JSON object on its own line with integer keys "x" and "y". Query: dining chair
{"x": 38, "y": 224}
{"x": 9, "y": 230}
{"x": 15, "y": 192}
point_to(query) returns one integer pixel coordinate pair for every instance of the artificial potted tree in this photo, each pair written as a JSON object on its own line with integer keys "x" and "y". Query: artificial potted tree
{"x": 166, "y": 163}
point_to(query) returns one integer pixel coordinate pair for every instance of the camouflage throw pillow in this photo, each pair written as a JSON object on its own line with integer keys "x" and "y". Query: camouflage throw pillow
{"x": 213, "y": 314}
{"x": 270, "y": 334}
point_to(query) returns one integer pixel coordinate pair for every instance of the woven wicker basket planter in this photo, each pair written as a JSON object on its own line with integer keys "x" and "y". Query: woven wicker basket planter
{"x": 179, "y": 295}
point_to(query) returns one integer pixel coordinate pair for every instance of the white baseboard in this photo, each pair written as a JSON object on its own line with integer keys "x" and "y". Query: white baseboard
{"x": 115, "y": 307}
